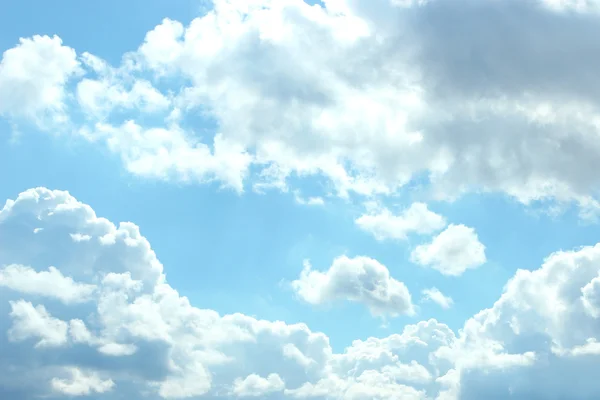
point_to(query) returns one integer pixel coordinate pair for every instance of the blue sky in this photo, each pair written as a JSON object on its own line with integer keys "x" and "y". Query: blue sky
{"x": 367, "y": 123}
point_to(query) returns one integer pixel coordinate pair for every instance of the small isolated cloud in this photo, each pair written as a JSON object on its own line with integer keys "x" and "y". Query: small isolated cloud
{"x": 359, "y": 279}
{"x": 256, "y": 386}
{"x": 415, "y": 219}
{"x": 452, "y": 252}
{"x": 308, "y": 201}
{"x": 437, "y": 297}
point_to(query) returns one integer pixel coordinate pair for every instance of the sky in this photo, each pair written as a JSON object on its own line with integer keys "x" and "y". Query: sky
{"x": 287, "y": 199}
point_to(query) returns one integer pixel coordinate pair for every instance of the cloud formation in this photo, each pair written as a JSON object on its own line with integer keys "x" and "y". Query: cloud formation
{"x": 452, "y": 252}
{"x": 359, "y": 279}
{"x": 370, "y": 95}
{"x": 417, "y": 218}
{"x": 373, "y": 96}
{"x": 136, "y": 334}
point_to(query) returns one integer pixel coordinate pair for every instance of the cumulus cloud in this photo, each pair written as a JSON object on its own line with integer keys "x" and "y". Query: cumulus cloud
{"x": 369, "y": 95}
{"x": 36, "y": 323}
{"x": 110, "y": 91}
{"x": 359, "y": 279}
{"x": 51, "y": 283}
{"x": 81, "y": 383}
{"x": 256, "y": 386}
{"x": 417, "y": 218}
{"x": 452, "y": 252}
{"x": 33, "y": 76}
{"x": 136, "y": 335}
{"x": 434, "y": 295}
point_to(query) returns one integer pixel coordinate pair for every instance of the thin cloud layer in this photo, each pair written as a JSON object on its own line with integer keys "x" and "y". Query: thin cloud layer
{"x": 437, "y": 297}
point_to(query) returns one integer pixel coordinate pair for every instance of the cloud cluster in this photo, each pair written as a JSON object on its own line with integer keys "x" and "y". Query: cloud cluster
{"x": 130, "y": 333}
{"x": 371, "y": 95}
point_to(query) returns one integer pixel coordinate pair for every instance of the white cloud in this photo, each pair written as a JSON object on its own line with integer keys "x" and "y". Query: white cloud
{"x": 452, "y": 252}
{"x": 170, "y": 153}
{"x": 300, "y": 90}
{"x": 529, "y": 333}
{"x": 33, "y": 76}
{"x": 415, "y": 219}
{"x": 51, "y": 283}
{"x": 112, "y": 91}
{"x": 257, "y": 386}
{"x": 308, "y": 201}
{"x": 31, "y": 322}
{"x": 78, "y": 237}
{"x": 437, "y": 297}
{"x": 360, "y": 279}
{"x": 523, "y": 346}
{"x": 81, "y": 383}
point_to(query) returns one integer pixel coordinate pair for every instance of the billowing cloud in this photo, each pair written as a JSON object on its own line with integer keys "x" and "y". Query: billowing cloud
{"x": 136, "y": 334}
{"x": 452, "y": 252}
{"x": 256, "y": 386}
{"x": 81, "y": 383}
{"x": 371, "y": 95}
{"x": 359, "y": 279}
{"x": 36, "y": 323}
{"x": 49, "y": 283}
{"x": 33, "y": 76}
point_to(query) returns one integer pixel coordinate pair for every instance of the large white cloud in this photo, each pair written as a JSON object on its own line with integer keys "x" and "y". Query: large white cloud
{"x": 136, "y": 335}
{"x": 370, "y": 94}
{"x": 394, "y": 89}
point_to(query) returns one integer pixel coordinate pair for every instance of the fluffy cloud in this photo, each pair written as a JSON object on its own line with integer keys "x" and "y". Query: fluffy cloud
{"x": 170, "y": 154}
{"x": 437, "y": 297}
{"x": 370, "y": 95}
{"x": 256, "y": 386}
{"x": 49, "y": 283}
{"x": 414, "y": 99}
{"x": 137, "y": 335}
{"x": 417, "y": 218}
{"x": 37, "y": 323}
{"x": 110, "y": 91}
{"x": 474, "y": 95}
{"x": 359, "y": 279}
{"x": 81, "y": 383}
{"x": 33, "y": 76}
{"x": 452, "y": 252}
